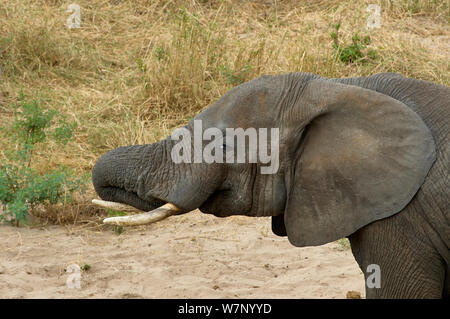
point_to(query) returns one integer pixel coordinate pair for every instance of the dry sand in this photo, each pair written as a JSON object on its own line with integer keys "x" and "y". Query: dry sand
{"x": 187, "y": 256}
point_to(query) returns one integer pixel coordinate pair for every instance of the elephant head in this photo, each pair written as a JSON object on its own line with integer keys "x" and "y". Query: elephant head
{"x": 345, "y": 157}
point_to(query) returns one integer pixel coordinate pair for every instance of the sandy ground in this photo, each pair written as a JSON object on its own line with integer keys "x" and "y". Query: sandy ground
{"x": 187, "y": 256}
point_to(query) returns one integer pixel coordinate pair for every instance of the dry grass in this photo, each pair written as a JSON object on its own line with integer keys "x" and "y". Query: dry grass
{"x": 137, "y": 69}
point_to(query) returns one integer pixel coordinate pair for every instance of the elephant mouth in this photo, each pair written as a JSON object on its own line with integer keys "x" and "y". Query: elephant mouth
{"x": 152, "y": 216}
{"x": 123, "y": 196}
{"x": 150, "y": 211}
{"x": 213, "y": 203}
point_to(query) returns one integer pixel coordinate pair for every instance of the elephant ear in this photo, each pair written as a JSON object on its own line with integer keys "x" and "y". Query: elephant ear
{"x": 362, "y": 157}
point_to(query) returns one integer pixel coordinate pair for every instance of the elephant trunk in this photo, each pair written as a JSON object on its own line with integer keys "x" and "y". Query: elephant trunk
{"x": 116, "y": 173}
{"x": 146, "y": 177}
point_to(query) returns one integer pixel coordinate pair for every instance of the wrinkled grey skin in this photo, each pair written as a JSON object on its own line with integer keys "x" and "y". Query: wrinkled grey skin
{"x": 364, "y": 158}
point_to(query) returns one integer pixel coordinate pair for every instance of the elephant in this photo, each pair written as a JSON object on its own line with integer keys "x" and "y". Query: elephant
{"x": 366, "y": 158}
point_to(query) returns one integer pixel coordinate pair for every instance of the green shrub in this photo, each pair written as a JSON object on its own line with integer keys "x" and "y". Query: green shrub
{"x": 21, "y": 186}
{"x": 356, "y": 51}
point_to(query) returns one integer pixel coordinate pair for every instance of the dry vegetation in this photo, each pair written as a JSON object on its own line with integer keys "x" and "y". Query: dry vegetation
{"x": 137, "y": 69}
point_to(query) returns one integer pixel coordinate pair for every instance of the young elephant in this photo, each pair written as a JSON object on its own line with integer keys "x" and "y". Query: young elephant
{"x": 364, "y": 158}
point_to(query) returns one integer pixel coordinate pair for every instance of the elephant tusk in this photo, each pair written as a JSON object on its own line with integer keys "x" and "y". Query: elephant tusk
{"x": 153, "y": 216}
{"x": 116, "y": 206}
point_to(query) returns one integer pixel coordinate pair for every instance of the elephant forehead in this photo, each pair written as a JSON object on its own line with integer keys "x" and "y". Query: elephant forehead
{"x": 239, "y": 110}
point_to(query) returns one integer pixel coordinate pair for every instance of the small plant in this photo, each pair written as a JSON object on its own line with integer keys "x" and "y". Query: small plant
{"x": 344, "y": 244}
{"x": 356, "y": 51}
{"x": 413, "y": 6}
{"x": 142, "y": 67}
{"x": 85, "y": 267}
{"x": 113, "y": 213}
{"x": 235, "y": 77}
{"x": 21, "y": 186}
{"x": 160, "y": 53}
{"x": 118, "y": 229}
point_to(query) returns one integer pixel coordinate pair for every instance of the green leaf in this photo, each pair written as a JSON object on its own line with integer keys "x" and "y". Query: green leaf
{"x": 21, "y": 187}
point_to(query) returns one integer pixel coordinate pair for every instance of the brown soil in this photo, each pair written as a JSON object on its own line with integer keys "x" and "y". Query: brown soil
{"x": 188, "y": 256}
